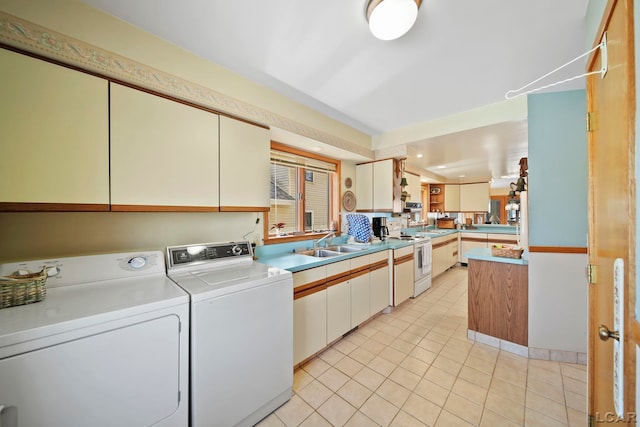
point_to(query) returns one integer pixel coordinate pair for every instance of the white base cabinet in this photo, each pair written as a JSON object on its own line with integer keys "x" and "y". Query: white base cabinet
{"x": 338, "y": 310}
{"x": 380, "y": 290}
{"x": 331, "y": 300}
{"x": 403, "y": 274}
{"x": 445, "y": 253}
{"x": 309, "y": 313}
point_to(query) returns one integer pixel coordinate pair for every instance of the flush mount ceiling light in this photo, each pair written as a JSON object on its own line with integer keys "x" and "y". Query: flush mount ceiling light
{"x": 390, "y": 19}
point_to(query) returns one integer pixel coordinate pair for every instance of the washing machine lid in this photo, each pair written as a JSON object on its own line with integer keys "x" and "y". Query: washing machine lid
{"x": 71, "y": 304}
{"x": 217, "y": 281}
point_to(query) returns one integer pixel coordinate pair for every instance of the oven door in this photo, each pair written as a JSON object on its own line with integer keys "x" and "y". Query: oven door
{"x": 423, "y": 261}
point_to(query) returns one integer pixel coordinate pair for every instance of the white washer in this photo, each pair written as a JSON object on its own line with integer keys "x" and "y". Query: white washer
{"x": 108, "y": 346}
{"x": 241, "y": 332}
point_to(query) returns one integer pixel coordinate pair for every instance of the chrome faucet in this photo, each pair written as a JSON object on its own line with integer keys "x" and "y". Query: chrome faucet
{"x": 316, "y": 243}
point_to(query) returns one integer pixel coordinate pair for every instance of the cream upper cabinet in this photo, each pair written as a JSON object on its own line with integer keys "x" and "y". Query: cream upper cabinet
{"x": 383, "y": 185}
{"x": 164, "y": 154}
{"x": 414, "y": 188}
{"x": 452, "y": 198}
{"x": 244, "y": 166}
{"x": 364, "y": 187}
{"x": 55, "y": 130}
{"x": 474, "y": 197}
{"x": 375, "y": 187}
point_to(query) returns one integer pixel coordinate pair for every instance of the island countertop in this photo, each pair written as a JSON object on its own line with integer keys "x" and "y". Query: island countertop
{"x": 484, "y": 254}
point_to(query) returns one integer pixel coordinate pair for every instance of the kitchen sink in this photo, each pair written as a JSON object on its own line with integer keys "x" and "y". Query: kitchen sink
{"x": 346, "y": 248}
{"x": 321, "y": 253}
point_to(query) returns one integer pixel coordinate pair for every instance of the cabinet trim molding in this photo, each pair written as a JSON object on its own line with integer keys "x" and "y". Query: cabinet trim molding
{"x": 154, "y": 208}
{"x": 53, "y": 207}
{"x": 558, "y": 249}
{"x": 403, "y": 259}
{"x": 244, "y": 209}
{"x": 309, "y": 290}
{"x": 378, "y": 265}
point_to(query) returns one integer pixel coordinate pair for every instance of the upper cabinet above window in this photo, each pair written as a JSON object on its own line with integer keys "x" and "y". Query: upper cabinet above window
{"x": 54, "y": 146}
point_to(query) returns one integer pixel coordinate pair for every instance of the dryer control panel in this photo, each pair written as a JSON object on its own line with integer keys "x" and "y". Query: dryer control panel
{"x": 207, "y": 252}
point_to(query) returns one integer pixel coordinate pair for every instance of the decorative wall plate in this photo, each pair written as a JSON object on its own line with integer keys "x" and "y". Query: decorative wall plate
{"x": 348, "y": 182}
{"x": 349, "y": 201}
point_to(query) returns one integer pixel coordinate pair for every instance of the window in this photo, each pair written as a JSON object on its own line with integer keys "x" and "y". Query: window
{"x": 303, "y": 193}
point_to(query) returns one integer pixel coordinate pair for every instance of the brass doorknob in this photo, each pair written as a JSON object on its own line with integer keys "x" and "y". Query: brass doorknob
{"x": 604, "y": 333}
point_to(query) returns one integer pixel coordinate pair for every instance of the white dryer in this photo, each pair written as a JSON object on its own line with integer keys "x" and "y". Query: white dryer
{"x": 108, "y": 346}
{"x": 241, "y": 332}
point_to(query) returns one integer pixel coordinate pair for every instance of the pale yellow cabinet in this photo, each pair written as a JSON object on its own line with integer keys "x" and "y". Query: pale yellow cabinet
{"x": 309, "y": 313}
{"x": 244, "y": 166}
{"x": 55, "y": 128}
{"x": 414, "y": 188}
{"x": 164, "y": 154}
{"x": 364, "y": 187}
{"x": 380, "y": 290}
{"x": 403, "y": 274}
{"x": 338, "y": 300}
{"x": 360, "y": 290}
{"x": 451, "y": 198}
{"x": 376, "y": 188}
{"x": 474, "y": 197}
{"x": 469, "y": 241}
{"x": 445, "y": 253}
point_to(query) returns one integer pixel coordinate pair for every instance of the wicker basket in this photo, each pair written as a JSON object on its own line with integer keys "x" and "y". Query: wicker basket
{"x": 20, "y": 289}
{"x": 507, "y": 252}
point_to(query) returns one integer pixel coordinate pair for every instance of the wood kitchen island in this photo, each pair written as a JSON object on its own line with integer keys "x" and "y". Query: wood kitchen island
{"x": 498, "y": 297}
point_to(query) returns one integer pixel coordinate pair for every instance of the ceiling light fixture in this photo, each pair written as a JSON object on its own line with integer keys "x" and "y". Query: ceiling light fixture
{"x": 419, "y": 156}
{"x": 390, "y": 19}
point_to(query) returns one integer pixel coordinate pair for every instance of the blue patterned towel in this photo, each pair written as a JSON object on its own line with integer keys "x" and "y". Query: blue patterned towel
{"x": 359, "y": 227}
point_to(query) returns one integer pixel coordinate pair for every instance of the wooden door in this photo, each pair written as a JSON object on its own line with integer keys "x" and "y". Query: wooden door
{"x": 611, "y": 103}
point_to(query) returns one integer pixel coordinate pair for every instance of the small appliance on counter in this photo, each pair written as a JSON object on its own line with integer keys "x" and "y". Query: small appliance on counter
{"x": 446, "y": 222}
{"x": 380, "y": 228}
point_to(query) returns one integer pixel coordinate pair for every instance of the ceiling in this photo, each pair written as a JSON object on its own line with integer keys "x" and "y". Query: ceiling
{"x": 460, "y": 55}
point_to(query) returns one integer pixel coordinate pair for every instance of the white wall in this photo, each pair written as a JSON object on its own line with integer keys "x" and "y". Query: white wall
{"x": 557, "y": 316}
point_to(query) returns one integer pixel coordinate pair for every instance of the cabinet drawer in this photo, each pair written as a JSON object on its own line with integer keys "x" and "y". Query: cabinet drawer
{"x": 378, "y": 256}
{"x": 360, "y": 262}
{"x": 340, "y": 268}
{"x": 398, "y": 253}
{"x": 309, "y": 276}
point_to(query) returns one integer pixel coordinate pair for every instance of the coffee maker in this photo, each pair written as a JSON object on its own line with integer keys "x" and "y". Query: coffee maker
{"x": 380, "y": 227}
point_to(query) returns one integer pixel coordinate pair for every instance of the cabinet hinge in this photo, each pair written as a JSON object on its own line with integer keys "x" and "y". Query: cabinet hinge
{"x": 592, "y": 274}
{"x": 590, "y": 121}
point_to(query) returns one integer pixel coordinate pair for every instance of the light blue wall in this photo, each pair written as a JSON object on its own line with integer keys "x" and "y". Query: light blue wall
{"x": 595, "y": 9}
{"x": 557, "y": 169}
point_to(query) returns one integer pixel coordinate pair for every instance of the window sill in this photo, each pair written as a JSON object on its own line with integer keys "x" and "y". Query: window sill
{"x": 272, "y": 240}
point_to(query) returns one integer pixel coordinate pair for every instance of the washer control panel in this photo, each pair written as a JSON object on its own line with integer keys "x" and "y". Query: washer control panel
{"x": 208, "y": 252}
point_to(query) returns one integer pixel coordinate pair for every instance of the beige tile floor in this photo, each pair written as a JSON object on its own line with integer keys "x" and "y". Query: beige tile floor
{"x": 416, "y": 367}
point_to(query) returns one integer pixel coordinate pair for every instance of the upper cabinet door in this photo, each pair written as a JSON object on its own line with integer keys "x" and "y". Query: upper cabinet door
{"x": 54, "y": 146}
{"x": 164, "y": 154}
{"x": 245, "y": 155}
{"x": 414, "y": 188}
{"x": 383, "y": 186}
{"x": 364, "y": 187}
{"x": 474, "y": 197}
{"x": 452, "y": 198}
